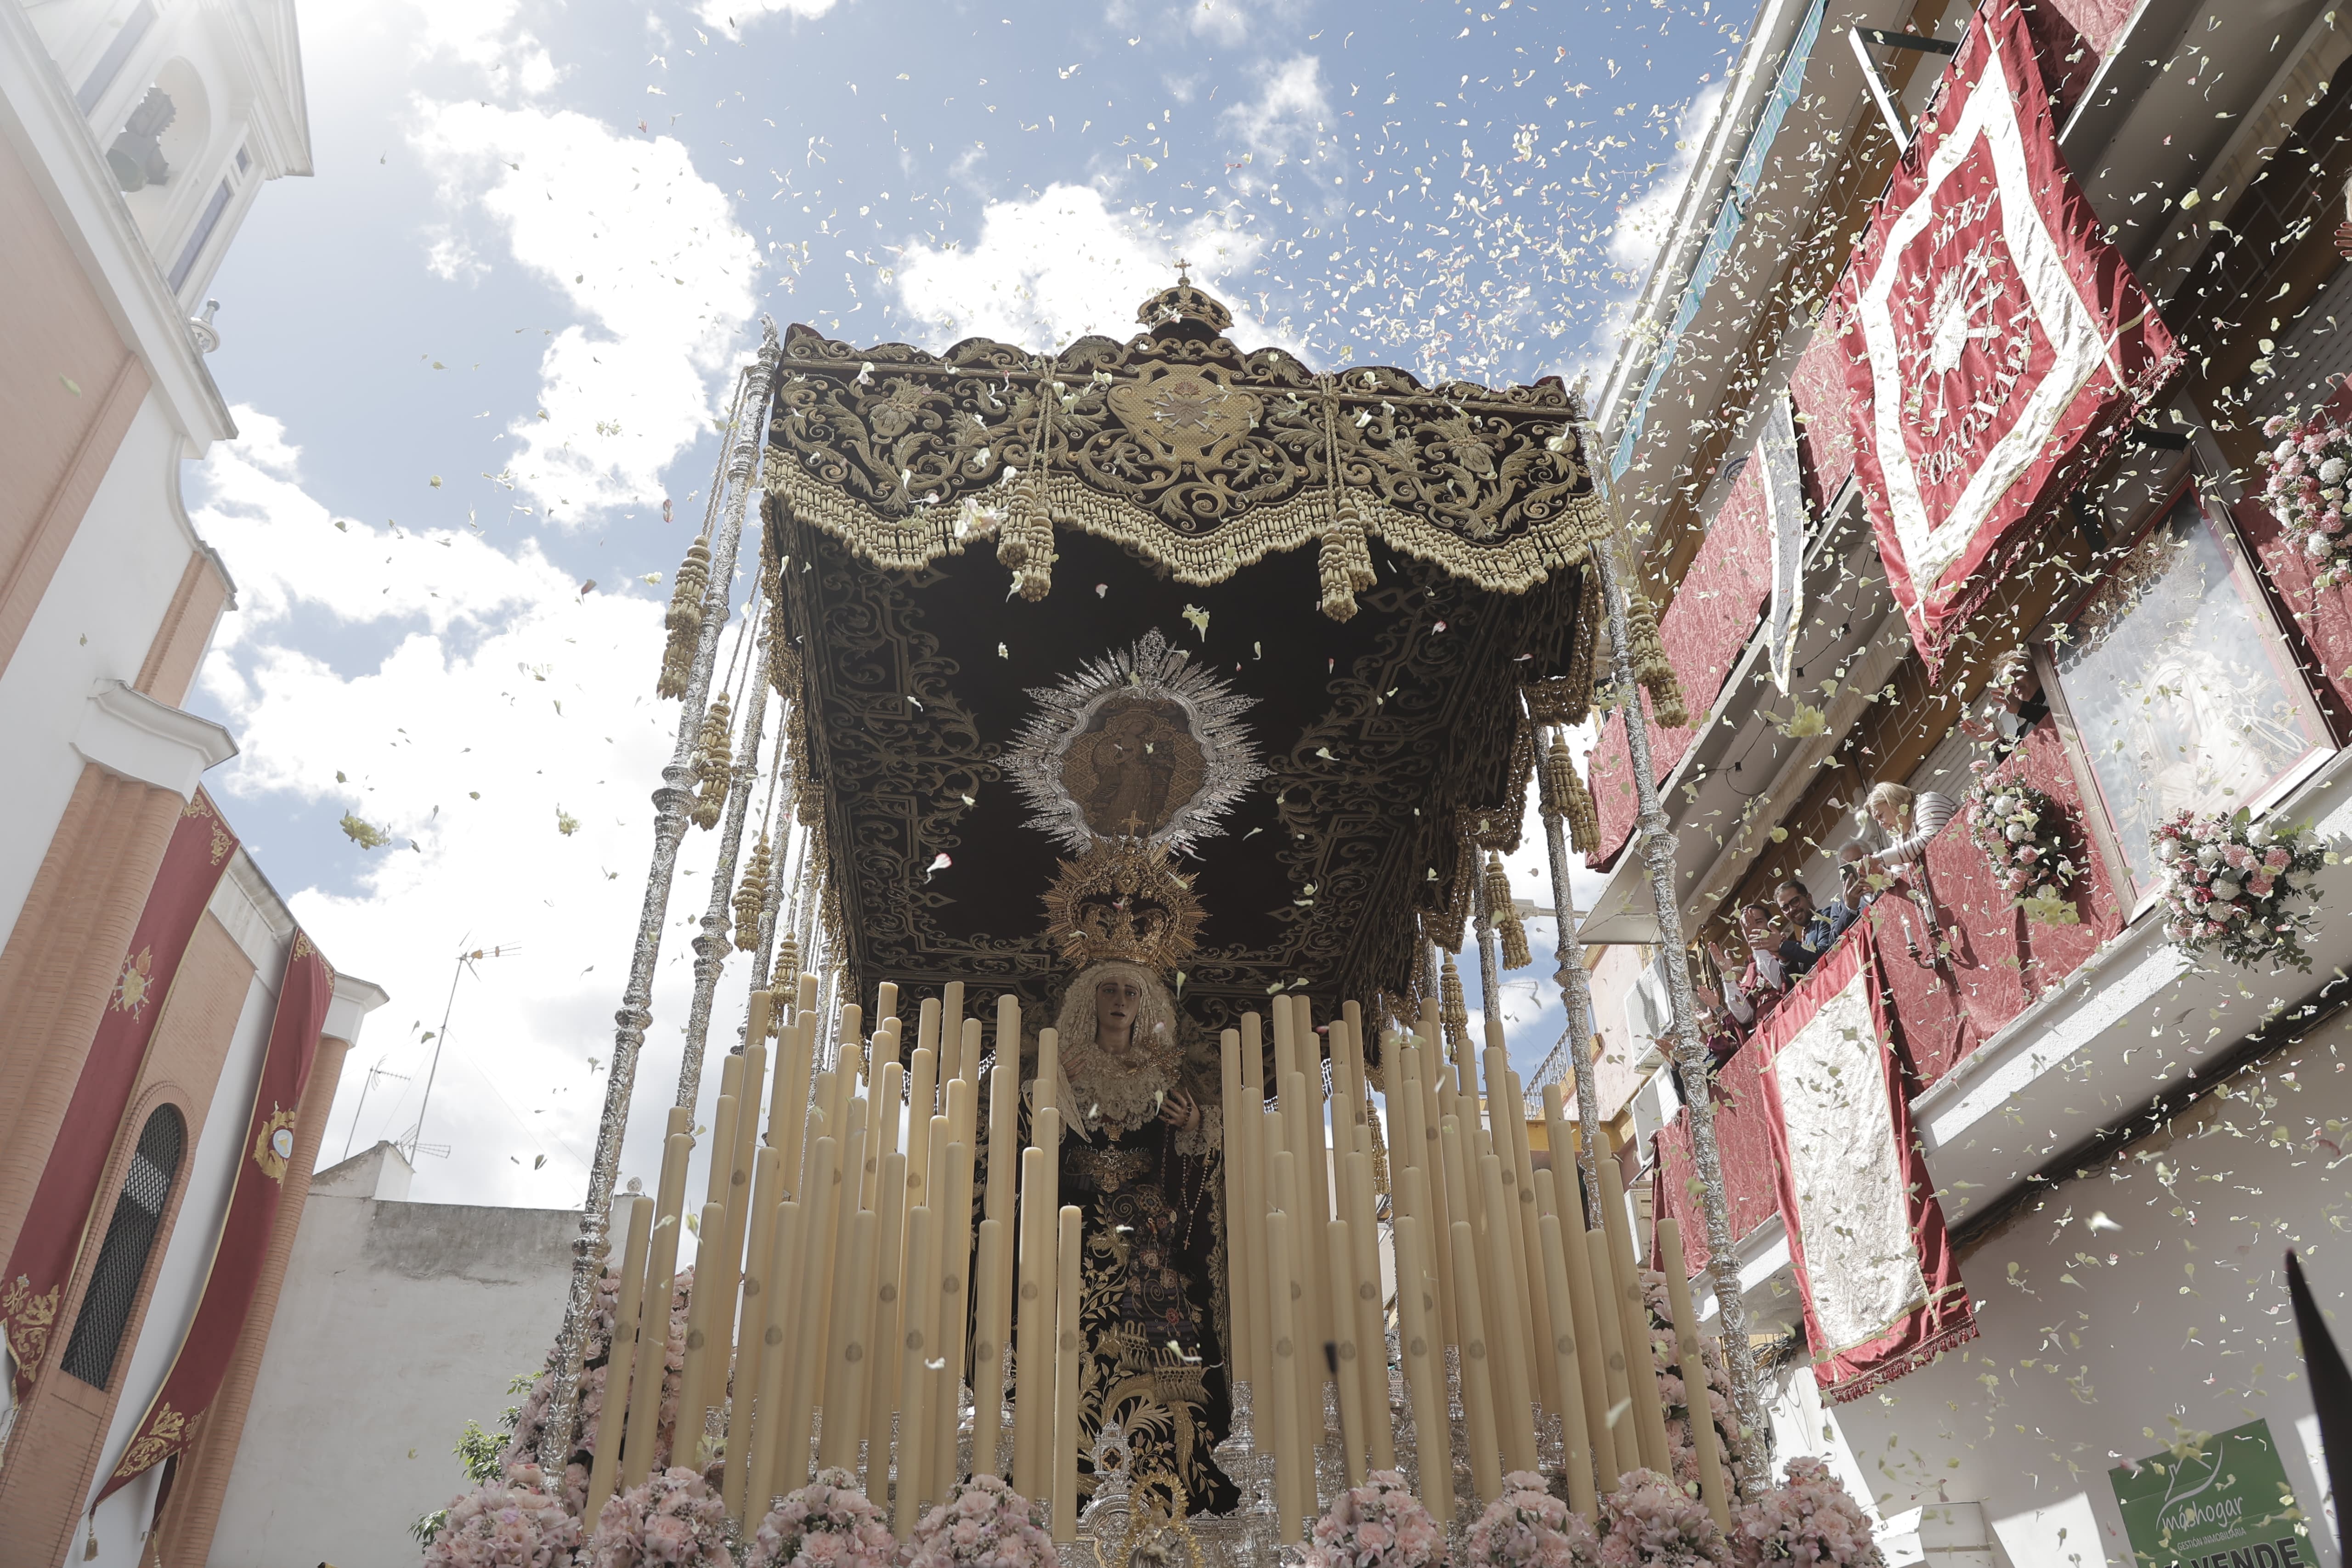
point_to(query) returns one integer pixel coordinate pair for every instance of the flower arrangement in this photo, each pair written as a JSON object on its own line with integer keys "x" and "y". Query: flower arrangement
{"x": 2021, "y": 831}
{"x": 1730, "y": 1439}
{"x": 1526, "y": 1527}
{"x": 982, "y": 1521}
{"x": 676, "y": 1520}
{"x": 1808, "y": 1520}
{"x": 2230, "y": 883}
{"x": 827, "y": 1522}
{"x": 513, "y": 1522}
{"x": 1380, "y": 1524}
{"x": 530, "y": 1421}
{"x": 2309, "y": 470}
{"x": 1653, "y": 1523}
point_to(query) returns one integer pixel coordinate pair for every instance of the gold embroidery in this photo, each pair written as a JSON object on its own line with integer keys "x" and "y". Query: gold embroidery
{"x": 223, "y": 842}
{"x": 275, "y": 1145}
{"x": 162, "y": 1435}
{"x": 133, "y": 985}
{"x": 27, "y": 1318}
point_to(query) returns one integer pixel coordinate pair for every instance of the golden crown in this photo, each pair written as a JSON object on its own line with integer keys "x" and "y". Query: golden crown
{"x": 1122, "y": 900}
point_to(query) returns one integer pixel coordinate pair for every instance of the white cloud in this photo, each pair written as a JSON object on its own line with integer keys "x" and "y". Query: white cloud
{"x": 1220, "y": 21}
{"x": 639, "y": 244}
{"x": 1062, "y": 265}
{"x": 1642, "y": 224}
{"x": 492, "y": 695}
{"x": 1282, "y": 133}
{"x": 732, "y": 14}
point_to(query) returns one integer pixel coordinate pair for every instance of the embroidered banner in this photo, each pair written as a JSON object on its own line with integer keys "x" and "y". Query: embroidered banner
{"x": 202, "y": 1360}
{"x": 1882, "y": 1294}
{"x": 1789, "y": 523}
{"x": 46, "y": 1249}
{"x": 1996, "y": 344}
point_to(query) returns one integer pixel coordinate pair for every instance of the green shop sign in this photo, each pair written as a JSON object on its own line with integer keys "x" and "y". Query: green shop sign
{"x": 2225, "y": 1503}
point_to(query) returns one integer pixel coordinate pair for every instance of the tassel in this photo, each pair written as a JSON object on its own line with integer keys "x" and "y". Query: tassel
{"x": 89, "y": 1547}
{"x": 1566, "y": 797}
{"x": 788, "y": 957}
{"x": 1652, "y": 668}
{"x": 752, "y": 898}
{"x": 1344, "y": 563}
{"x": 1453, "y": 1010}
{"x": 714, "y": 765}
{"x": 1025, "y": 545}
{"x": 1509, "y": 926}
{"x": 684, "y": 619}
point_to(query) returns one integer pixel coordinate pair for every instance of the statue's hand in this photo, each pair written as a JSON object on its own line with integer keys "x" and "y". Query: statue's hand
{"x": 1180, "y": 1110}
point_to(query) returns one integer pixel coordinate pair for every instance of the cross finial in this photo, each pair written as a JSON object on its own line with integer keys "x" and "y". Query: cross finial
{"x": 1182, "y": 267}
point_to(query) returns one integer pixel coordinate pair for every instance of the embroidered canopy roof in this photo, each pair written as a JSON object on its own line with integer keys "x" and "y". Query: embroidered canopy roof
{"x": 1157, "y": 668}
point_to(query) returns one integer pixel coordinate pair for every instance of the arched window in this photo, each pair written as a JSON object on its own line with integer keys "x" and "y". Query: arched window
{"x": 113, "y": 1292}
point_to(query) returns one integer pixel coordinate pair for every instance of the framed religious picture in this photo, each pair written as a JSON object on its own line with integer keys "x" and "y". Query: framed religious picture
{"x": 2174, "y": 689}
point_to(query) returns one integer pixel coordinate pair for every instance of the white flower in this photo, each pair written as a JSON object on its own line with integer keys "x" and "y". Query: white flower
{"x": 2331, "y": 470}
{"x": 2315, "y": 545}
{"x": 2259, "y": 833}
{"x": 2224, "y": 889}
{"x": 2018, "y": 832}
{"x": 2168, "y": 850}
{"x": 2209, "y": 855}
{"x": 2282, "y": 451}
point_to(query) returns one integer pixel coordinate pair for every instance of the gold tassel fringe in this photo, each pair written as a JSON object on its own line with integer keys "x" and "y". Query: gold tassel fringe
{"x": 1024, "y": 544}
{"x": 1509, "y": 926}
{"x": 752, "y": 898}
{"x": 684, "y": 619}
{"x": 714, "y": 764}
{"x": 1651, "y": 665}
{"x": 1453, "y": 1010}
{"x": 1566, "y": 797}
{"x": 1344, "y": 563}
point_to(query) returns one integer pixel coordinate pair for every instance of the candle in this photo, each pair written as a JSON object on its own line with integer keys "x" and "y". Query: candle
{"x": 1568, "y": 1374}
{"x": 845, "y": 1382}
{"x": 1425, "y": 1374}
{"x": 621, "y": 1361}
{"x": 989, "y": 1300}
{"x": 1519, "y": 1166}
{"x": 1641, "y": 1360}
{"x": 1692, "y": 1362}
{"x": 661, "y": 1268}
{"x": 751, "y": 1349}
{"x": 919, "y": 1083}
{"x": 883, "y": 1385}
{"x": 968, "y": 1066}
{"x": 1624, "y": 1444}
{"x": 1306, "y": 1389}
{"x": 954, "y": 1226}
{"x": 1008, "y": 1028}
{"x": 772, "y": 1414}
{"x": 709, "y": 1237}
{"x": 701, "y": 1312}
{"x": 1066, "y": 1342}
{"x": 915, "y": 1424}
{"x": 1341, "y": 1260}
{"x": 1246, "y": 1147}
{"x": 1294, "y": 1472}
{"x": 853, "y": 1039}
{"x": 952, "y": 1005}
{"x": 1477, "y": 1401}
{"x": 1515, "y": 1427}
{"x": 1237, "y": 1258}
{"x": 1032, "y": 1382}
{"x": 819, "y": 1211}
{"x": 1044, "y": 1097}
{"x": 1372, "y": 1324}
{"x": 886, "y": 1001}
{"x": 788, "y": 1108}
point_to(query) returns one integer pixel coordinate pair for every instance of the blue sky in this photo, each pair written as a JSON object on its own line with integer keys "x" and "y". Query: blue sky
{"x": 474, "y": 356}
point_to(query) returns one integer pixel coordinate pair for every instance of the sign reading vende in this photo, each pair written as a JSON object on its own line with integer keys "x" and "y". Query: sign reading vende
{"x": 1996, "y": 344}
{"x": 2225, "y": 1505}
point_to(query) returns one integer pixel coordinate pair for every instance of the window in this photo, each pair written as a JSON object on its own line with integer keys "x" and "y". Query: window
{"x": 123, "y": 1257}
{"x": 203, "y": 232}
{"x": 109, "y": 64}
{"x": 2176, "y": 691}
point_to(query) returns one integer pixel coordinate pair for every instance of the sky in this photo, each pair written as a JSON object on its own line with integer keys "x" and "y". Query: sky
{"x": 477, "y": 362}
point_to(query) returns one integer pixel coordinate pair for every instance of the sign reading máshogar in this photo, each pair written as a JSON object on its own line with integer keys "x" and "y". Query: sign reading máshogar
{"x": 2227, "y": 1505}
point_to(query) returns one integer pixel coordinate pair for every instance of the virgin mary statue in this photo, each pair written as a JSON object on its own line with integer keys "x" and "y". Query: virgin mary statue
{"x": 1142, "y": 1159}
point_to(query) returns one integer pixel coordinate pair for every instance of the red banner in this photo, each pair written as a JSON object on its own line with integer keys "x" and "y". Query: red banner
{"x": 1875, "y": 1267}
{"x": 46, "y": 1249}
{"x": 202, "y": 1361}
{"x": 1996, "y": 344}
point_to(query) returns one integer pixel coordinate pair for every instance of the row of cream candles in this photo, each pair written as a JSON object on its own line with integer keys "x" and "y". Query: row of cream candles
{"x": 1482, "y": 1291}
{"x": 894, "y": 1269}
{"x": 1518, "y": 1300}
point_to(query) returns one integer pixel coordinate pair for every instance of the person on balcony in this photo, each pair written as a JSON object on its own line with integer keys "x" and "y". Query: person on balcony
{"x": 1812, "y": 929}
{"x": 1909, "y": 820}
{"x": 1765, "y": 979}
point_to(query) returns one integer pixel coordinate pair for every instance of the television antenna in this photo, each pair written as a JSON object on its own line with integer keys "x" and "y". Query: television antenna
{"x": 373, "y": 1073}
{"x": 414, "y": 1143}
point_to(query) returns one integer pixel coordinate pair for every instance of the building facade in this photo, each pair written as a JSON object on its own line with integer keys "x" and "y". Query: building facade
{"x": 169, "y": 1038}
{"x": 2123, "y": 1137}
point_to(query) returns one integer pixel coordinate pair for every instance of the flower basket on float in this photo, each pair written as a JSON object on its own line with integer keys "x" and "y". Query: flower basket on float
{"x": 2309, "y": 474}
{"x": 1380, "y": 1524}
{"x": 2239, "y": 887}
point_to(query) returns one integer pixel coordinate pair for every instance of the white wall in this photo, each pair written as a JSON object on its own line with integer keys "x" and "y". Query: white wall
{"x": 95, "y": 623}
{"x": 2145, "y": 1299}
{"x": 397, "y": 1324}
